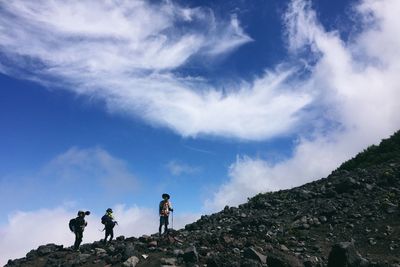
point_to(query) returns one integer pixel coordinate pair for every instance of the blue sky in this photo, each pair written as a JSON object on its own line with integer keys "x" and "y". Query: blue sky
{"x": 211, "y": 102}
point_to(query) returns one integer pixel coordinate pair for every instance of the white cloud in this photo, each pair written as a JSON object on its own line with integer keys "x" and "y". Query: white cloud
{"x": 128, "y": 62}
{"x": 177, "y": 168}
{"x": 356, "y": 89}
{"x": 28, "y": 230}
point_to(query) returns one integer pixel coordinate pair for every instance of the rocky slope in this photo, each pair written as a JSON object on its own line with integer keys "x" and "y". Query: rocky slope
{"x": 350, "y": 218}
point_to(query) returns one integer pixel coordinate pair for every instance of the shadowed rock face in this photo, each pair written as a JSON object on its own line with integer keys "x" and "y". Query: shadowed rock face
{"x": 350, "y": 218}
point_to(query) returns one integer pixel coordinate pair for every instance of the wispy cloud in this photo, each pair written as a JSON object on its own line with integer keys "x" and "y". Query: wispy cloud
{"x": 356, "y": 90}
{"x": 199, "y": 149}
{"x": 130, "y": 62}
{"x": 178, "y": 168}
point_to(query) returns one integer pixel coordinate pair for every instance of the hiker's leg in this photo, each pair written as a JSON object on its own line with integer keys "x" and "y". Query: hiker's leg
{"x": 161, "y": 223}
{"x": 165, "y": 224}
{"x": 105, "y": 236}
{"x": 108, "y": 233}
{"x": 111, "y": 234}
{"x": 78, "y": 239}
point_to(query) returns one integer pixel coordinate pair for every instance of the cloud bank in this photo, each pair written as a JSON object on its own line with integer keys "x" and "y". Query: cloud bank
{"x": 356, "y": 88}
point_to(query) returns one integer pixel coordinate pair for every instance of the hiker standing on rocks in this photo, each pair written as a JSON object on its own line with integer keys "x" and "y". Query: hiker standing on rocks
{"x": 164, "y": 209}
{"x": 109, "y": 223}
{"x": 78, "y": 225}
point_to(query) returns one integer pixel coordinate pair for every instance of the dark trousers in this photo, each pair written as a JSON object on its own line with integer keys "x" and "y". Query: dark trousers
{"x": 109, "y": 232}
{"x": 163, "y": 221}
{"x": 78, "y": 239}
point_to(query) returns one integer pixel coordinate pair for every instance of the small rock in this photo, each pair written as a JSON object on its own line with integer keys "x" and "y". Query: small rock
{"x": 284, "y": 248}
{"x": 323, "y": 219}
{"x": 120, "y": 238}
{"x": 250, "y": 263}
{"x": 152, "y": 244}
{"x": 191, "y": 255}
{"x": 344, "y": 254}
{"x": 144, "y": 238}
{"x": 100, "y": 251}
{"x": 131, "y": 262}
{"x": 47, "y": 249}
{"x": 168, "y": 261}
{"x": 129, "y": 250}
{"x": 251, "y": 253}
{"x": 82, "y": 258}
{"x": 178, "y": 252}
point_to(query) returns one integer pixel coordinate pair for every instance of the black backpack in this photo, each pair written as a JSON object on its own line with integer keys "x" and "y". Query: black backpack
{"x": 105, "y": 219}
{"x": 72, "y": 224}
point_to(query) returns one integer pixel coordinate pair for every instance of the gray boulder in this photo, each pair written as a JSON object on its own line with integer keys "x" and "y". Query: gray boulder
{"x": 131, "y": 262}
{"x": 344, "y": 254}
{"x": 191, "y": 255}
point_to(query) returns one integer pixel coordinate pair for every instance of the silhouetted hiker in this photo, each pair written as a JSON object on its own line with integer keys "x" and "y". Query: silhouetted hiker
{"x": 164, "y": 209}
{"x": 77, "y": 226}
{"x": 109, "y": 223}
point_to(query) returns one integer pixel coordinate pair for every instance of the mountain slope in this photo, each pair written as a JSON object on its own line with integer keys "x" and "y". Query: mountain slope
{"x": 357, "y": 203}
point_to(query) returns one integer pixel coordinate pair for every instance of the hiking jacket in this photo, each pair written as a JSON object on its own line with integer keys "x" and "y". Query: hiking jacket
{"x": 165, "y": 208}
{"x": 80, "y": 224}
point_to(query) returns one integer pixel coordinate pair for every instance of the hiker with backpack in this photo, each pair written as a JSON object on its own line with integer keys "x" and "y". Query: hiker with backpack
{"x": 165, "y": 208}
{"x": 109, "y": 223}
{"x": 77, "y": 226}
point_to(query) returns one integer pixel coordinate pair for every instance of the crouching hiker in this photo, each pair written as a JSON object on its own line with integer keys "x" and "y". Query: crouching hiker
{"x": 109, "y": 223}
{"x": 77, "y": 226}
{"x": 164, "y": 209}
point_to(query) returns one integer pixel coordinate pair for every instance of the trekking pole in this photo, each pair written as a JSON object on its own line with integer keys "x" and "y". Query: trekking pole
{"x": 172, "y": 220}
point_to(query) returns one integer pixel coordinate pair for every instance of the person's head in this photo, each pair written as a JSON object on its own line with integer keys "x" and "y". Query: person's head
{"x": 165, "y": 196}
{"x": 83, "y": 213}
{"x": 109, "y": 210}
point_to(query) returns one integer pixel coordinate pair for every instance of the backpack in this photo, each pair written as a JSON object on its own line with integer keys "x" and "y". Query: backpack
{"x": 105, "y": 219}
{"x": 72, "y": 224}
{"x": 164, "y": 208}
